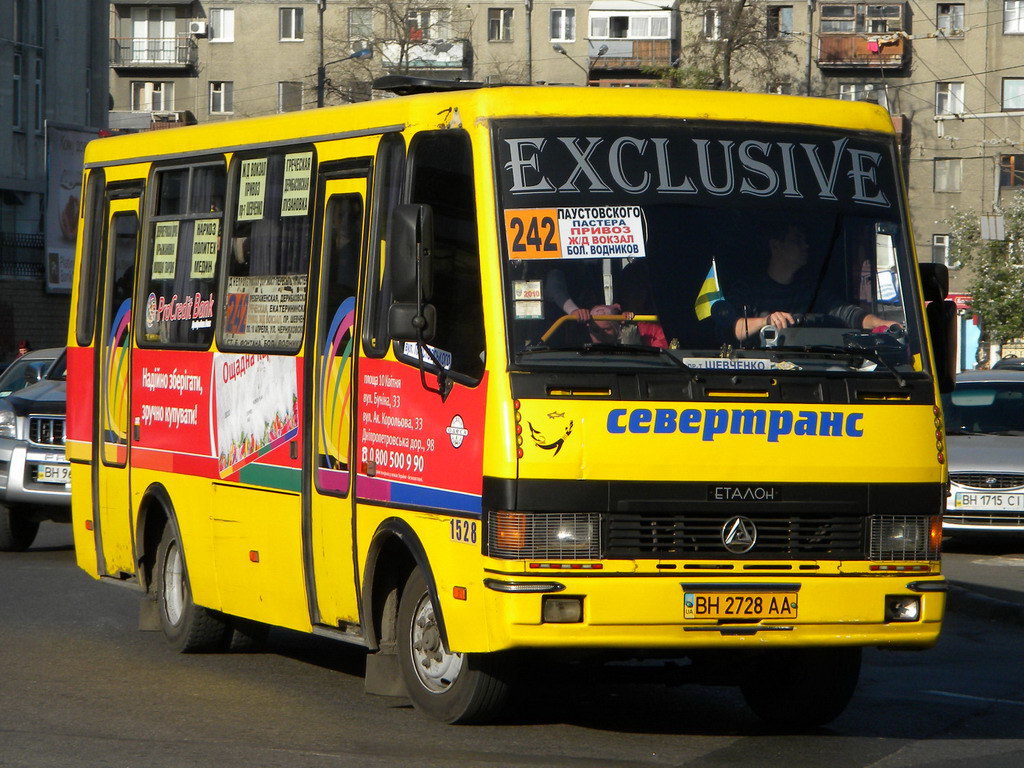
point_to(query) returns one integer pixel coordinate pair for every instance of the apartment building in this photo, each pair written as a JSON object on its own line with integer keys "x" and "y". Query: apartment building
{"x": 951, "y": 74}
{"x": 53, "y": 72}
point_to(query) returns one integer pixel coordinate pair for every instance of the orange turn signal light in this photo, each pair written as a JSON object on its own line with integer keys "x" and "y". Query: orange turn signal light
{"x": 510, "y": 529}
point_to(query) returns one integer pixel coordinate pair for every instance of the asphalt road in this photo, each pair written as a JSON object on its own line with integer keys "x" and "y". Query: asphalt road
{"x": 79, "y": 686}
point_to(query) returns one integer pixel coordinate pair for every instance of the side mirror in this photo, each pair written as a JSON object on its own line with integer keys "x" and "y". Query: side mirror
{"x": 406, "y": 322}
{"x": 934, "y": 281}
{"x": 410, "y": 248}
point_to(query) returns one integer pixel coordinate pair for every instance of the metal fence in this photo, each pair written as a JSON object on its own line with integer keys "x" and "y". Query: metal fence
{"x": 21, "y": 255}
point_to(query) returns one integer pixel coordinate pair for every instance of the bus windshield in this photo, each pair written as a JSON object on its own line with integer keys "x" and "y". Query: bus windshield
{"x": 669, "y": 243}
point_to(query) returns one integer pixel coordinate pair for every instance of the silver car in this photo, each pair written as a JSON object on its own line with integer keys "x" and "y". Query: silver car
{"x": 35, "y": 476}
{"x": 984, "y": 418}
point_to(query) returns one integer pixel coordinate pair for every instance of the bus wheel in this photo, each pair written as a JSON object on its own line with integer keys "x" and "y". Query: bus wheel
{"x": 801, "y": 688}
{"x": 451, "y": 687}
{"x": 17, "y": 531}
{"x": 188, "y": 627}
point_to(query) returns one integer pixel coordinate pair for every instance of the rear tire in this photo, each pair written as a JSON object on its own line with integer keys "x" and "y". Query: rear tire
{"x": 188, "y": 627}
{"x": 802, "y": 688}
{"x": 17, "y": 531}
{"x": 451, "y": 687}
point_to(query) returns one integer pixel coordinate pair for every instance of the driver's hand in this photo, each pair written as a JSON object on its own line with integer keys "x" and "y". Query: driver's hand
{"x": 582, "y": 315}
{"x": 780, "y": 319}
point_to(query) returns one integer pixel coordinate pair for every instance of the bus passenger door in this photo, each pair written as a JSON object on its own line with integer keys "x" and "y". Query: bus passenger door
{"x": 333, "y": 368}
{"x": 113, "y": 363}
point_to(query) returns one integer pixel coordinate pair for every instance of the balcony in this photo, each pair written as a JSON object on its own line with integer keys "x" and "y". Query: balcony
{"x": 426, "y": 55}
{"x": 630, "y": 54}
{"x": 153, "y": 52}
{"x": 863, "y": 52}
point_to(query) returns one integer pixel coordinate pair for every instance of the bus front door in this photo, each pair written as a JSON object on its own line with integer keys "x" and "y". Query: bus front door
{"x": 113, "y": 362}
{"x": 330, "y": 531}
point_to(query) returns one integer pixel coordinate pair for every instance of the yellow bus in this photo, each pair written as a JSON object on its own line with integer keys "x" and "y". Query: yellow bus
{"x": 476, "y": 373}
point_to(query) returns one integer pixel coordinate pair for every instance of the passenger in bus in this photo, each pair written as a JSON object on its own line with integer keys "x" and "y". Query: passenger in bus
{"x": 786, "y": 292}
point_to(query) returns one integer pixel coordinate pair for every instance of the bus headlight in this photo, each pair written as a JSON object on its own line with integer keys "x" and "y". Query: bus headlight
{"x": 549, "y": 535}
{"x": 8, "y": 421}
{"x": 904, "y": 537}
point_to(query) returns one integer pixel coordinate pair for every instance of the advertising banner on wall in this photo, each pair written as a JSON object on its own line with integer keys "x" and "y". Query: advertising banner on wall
{"x": 65, "y": 151}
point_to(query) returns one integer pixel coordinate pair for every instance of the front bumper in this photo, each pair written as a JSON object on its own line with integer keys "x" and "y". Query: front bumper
{"x": 984, "y": 509}
{"x": 641, "y": 611}
{"x": 20, "y": 464}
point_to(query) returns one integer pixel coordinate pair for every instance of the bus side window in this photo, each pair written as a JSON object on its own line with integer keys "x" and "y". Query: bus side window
{"x": 264, "y": 303}
{"x": 442, "y": 177}
{"x": 388, "y": 174}
{"x": 92, "y": 242}
{"x": 183, "y": 242}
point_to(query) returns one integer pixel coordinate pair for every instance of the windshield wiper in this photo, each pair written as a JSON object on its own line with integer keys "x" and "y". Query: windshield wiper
{"x": 852, "y": 350}
{"x": 603, "y": 348}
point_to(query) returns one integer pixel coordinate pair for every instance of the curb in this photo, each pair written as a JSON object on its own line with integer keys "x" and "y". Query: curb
{"x": 968, "y": 601}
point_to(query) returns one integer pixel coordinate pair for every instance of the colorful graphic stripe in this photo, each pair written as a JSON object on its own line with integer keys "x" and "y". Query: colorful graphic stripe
{"x": 115, "y": 422}
{"x": 394, "y": 492}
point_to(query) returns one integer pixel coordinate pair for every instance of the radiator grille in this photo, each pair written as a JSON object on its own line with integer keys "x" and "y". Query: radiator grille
{"x": 985, "y": 518}
{"x": 670, "y": 535}
{"x": 46, "y": 430}
{"x": 986, "y": 481}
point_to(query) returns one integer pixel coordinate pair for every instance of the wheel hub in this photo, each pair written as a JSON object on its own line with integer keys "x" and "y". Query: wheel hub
{"x": 436, "y": 667}
{"x": 174, "y": 584}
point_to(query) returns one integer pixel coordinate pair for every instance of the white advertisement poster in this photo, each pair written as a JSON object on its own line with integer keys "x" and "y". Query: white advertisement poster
{"x": 257, "y": 407}
{"x": 65, "y": 152}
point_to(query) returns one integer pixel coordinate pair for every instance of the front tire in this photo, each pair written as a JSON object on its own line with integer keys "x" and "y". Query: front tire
{"x": 188, "y": 627}
{"x": 451, "y": 687}
{"x": 17, "y": 531}
{"x": 801, "y": 688}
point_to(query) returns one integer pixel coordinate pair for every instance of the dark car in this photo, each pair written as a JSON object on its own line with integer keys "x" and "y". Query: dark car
{"x": 35, "y": 476}
{"x": 1009, "y": 364}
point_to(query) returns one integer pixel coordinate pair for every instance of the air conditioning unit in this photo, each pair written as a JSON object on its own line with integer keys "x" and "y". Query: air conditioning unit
{"x": 197, "y": 27}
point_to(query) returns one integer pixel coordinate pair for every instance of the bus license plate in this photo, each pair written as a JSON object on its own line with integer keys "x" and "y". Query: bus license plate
{"x": 739, "y": 605}
{"x": 53, "y": 473}
{"x": 988, "y": 501}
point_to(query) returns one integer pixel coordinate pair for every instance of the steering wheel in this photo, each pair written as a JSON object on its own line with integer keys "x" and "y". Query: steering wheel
{"x": 618, "y": 318}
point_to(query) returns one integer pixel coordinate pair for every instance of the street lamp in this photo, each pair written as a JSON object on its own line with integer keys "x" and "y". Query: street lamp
{"x": 559, "y": 49}
{"x": 321, "y": 71}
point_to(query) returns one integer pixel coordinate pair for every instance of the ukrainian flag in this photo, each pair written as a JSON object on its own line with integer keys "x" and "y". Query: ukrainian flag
{"x": 709, "y": 293}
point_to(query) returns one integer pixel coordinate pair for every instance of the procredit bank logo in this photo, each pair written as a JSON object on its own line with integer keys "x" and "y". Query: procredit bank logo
{"x": 151, "y": 311}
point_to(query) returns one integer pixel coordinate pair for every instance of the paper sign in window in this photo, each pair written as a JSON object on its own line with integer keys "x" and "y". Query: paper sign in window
{"x": 295, "y": 192}
{"x": 204, "y": 248}
{"x": 252, "y": 189}
{"x": 165, "y": 250}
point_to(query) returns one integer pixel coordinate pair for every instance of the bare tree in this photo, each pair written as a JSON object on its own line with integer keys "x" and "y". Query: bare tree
{"x": 730, "y": 45}
{"x": 425, "y": 37}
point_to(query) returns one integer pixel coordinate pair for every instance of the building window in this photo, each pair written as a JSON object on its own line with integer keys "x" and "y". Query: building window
{"x": 949, "y": 19}
{"x": 152, "y": 96}
{"x": 290, "y": 24}
{"x": 1011, "y": 171}
{"x": 1013, "y": 93}
{"x": 222, "y": 25}
{"x": 563, "y": 25}
{"x": 16, "y": 95}
{"x": 499, "y": 24}
{"x": 360, "y": 24}
{"x": 780, "y": 21}
{"x": 222, "y": 97}
{"x": 940, "y": 249}
{"x": 864, "y": 92}
{"x": 948, "y": 174}
{"x": 37, "y": 88}
{"x": 861, "y": 19}
{"x": 427, "y": 24}
{"x": 949, "y": 98}
{"x": 629, "y": 26}
{"x": 712, "y": 25}
{"x": 289, "y": 96}
{"x": 1013, "y": 17}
